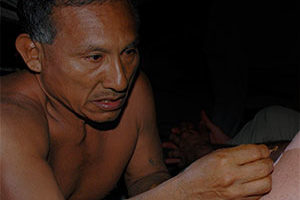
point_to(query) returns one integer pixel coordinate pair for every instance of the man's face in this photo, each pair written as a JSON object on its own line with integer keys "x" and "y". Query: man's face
{"x": 92, "y": 61}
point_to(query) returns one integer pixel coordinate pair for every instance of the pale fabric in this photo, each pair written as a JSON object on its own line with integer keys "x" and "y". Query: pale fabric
{"x": 271, "y": 124}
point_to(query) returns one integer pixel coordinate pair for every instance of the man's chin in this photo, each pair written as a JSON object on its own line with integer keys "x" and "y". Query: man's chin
{"x": 106, "y": 117}
{"x": 103, "y": 123}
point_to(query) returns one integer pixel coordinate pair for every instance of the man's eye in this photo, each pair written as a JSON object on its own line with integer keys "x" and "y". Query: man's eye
{"x": 94, "y": 58}
{"x": 131, "y": 51}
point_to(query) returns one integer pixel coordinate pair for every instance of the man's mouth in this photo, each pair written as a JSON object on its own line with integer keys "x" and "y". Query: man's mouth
{"x": 109, "y": 104}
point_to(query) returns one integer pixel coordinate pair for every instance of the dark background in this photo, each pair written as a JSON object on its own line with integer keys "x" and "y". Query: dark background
{"x": 230, "y": 58}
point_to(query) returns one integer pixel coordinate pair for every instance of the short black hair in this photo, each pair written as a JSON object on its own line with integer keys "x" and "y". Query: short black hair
{"x": 35, "y": 16}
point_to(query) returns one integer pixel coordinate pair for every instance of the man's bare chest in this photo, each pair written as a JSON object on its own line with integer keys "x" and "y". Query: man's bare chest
{"x": 88, "y": 166}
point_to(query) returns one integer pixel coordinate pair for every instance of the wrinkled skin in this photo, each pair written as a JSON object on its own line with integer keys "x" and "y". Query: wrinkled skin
{"x": 229, "y": 174}
{"x": 242, "y": 172}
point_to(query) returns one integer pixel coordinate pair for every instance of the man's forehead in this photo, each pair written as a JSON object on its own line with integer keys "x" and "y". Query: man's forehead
{"x": 78, "y": 2}
{"x": 94, "y": 14}
{"x": 104, "y": 25}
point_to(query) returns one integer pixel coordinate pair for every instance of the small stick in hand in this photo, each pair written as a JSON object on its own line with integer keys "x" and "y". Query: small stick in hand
{"x": 273, "y": 149}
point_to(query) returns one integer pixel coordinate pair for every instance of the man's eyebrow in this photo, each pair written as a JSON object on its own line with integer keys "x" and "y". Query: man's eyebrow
{"x": 133, "y": 44}
{"x": 91, "y": 48}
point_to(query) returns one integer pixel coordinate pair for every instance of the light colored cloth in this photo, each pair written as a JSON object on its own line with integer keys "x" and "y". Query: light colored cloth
{"x": 271, "y": 124}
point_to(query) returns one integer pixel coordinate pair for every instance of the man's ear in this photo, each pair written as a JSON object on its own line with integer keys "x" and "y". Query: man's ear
{"x": 30, "y": 52}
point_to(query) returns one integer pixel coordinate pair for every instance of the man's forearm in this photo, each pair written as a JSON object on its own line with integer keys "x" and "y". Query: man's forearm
{"x": 169, "y": 189}
{"x": 147, "y": 183}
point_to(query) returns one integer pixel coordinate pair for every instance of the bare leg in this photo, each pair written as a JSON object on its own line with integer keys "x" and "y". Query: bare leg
{"x": 286, "y": 175}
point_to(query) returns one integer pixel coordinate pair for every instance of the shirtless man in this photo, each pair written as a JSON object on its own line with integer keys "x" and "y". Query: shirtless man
{"x": 84, "y": 114}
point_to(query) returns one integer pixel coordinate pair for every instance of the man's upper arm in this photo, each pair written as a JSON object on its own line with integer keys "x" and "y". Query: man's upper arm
{"x": 147, "y": 162}
{"x": 24, "y": 148}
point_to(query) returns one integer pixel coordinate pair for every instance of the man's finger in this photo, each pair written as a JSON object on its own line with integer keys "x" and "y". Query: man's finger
{"x": 255, "y": 170}
{"x": 175, "y": 139}
{"x": 202, "y": 126}
{"x": 172, "y": 160}
{"x": 248, "y": 153}
{"x": 209, "y": 124}
{"x": 169, "y": 145}
{"x": 174, "y": 154}
{"x": 176, "y": 131}
{"x": 257, "y": 187}
{"x": 253, "y": 197}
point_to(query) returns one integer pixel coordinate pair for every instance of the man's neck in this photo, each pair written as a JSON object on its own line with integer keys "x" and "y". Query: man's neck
{"x": 56, "y": 109}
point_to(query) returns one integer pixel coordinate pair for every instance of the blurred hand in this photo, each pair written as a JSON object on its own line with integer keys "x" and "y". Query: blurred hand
{"x": 186, "y": 144}
{"x": 216, "y": 135}
{"x": 242, "y": 172}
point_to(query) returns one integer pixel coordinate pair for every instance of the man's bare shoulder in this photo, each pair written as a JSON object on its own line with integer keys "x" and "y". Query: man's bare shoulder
{"x": 142, "y": 89}
{"x": 141, "y": 106}
{"x": 23, "y": 123}
{"x": 143, "y": 81}
{"x": 140, "y": 102}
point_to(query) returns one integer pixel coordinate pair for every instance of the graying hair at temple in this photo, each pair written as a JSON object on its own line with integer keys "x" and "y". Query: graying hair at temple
{"x": 35, "y": 16}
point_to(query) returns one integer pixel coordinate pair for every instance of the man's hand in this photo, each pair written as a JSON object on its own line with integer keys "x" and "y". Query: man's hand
{"x": 242, "y": 172}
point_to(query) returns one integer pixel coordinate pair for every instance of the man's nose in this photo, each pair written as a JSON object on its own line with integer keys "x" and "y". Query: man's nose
{"x": 116, "y": 78}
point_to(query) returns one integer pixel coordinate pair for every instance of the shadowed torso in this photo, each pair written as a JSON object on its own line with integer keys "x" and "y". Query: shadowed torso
{"x": 87, "y": 162}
